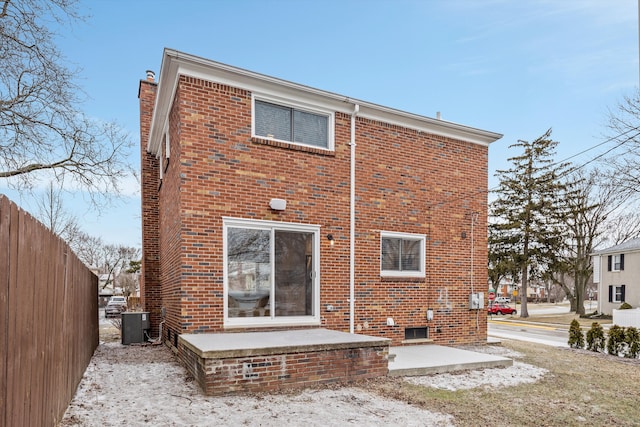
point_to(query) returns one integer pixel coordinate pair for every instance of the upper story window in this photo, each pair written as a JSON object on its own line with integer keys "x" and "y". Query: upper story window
{"x": 615, "y": 262}
{"x": 402, "y": 255}
{"x": 293, "y": 124}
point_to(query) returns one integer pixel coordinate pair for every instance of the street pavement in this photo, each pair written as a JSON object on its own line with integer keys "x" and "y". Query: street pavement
{"x": 512, "y": 327}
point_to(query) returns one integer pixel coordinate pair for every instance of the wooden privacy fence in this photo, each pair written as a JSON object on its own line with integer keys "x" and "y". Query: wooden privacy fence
{"x": 48, "y": 320}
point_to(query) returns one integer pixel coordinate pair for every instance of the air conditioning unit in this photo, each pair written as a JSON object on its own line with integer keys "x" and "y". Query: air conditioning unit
{"x": 135, "y": 327}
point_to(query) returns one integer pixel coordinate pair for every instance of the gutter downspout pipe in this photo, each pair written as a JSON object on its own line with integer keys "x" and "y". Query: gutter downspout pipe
{"x": 352, "y": 227}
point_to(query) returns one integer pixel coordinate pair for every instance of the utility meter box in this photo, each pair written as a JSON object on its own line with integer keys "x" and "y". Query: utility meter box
{"x": 134, "y": 326}
{"x": 476, "y": 301}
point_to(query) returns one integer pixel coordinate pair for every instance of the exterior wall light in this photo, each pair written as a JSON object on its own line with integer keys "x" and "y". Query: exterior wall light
{"x": 278, "y": 204}
{"x": 330, "y": 239}
{"x": 429, "y": 314}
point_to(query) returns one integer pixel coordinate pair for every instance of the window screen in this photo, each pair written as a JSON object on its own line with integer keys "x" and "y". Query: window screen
{"x": 273, "y": 121}
{"x": 400, "y": 254}
{"x": 289, "y": 124}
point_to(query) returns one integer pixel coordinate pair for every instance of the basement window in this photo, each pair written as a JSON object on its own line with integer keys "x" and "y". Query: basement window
{"x": 416, "y": 333}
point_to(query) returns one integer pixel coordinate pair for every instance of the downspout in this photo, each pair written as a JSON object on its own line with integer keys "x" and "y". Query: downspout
{"x": 352, "y": 227}
{"x": 600, "y": 287}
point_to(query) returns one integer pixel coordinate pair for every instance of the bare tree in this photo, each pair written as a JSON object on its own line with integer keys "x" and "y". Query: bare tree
{"x": 624, "y": 157}
{"x": 89, "y": 249}
{"x": 589, "y": 205}
{"x": 622, "y": 227}
{"x": 128, "y": 282}
{"x": 117, "y": 259}
{"x": 42, "y": 130}
{"x": 51, "y": 212}
{"x": 130, "y": 279}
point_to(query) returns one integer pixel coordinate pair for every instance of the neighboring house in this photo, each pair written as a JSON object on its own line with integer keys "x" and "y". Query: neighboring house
{"x": 616, "y": 270}
{"x": 507, "y": 288}
{"x": 105, "y": 288}
{"x": 271, "y": 205}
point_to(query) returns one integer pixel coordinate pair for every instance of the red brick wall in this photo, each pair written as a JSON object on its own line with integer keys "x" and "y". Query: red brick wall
{"x": 150, "y": 278}
{"x": 413, "y": 182}
{"x": 172, "y": 267}
{"x": 407, "y": 181}
{"x": 284, "y": 371}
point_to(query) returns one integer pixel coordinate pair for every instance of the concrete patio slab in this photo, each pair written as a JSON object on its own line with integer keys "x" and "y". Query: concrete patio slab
{"x": 276, "y": 342}
{"x": 434, "y": 359}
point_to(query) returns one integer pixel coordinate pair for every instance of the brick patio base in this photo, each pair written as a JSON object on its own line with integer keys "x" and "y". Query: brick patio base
{"x": 262, "y": 361}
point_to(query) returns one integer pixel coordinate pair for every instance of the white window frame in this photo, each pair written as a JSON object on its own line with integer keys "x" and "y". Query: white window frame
{"x": 616, "y": 260}
{"x": 242, "y": 322}
{"x": 300, "y": 106}
{"x": 164, "y": 151}
{"x": 617, "y": 294}
{"x": 408, "y": 236}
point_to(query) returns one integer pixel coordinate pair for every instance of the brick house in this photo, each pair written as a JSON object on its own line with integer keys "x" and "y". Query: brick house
{"x": 269, "y": 205}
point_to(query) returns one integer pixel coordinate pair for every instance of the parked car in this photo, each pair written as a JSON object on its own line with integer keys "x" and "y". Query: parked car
{"x": 115, "y": 306}
{"x": 503, "y": 300}
{"x": 498, "y": 308}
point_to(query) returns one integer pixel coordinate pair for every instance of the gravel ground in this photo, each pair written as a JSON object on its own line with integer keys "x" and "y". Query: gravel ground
{"x": 144, "y": 385}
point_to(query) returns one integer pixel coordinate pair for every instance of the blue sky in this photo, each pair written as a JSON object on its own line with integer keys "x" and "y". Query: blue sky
{"x": 517, "y": 67}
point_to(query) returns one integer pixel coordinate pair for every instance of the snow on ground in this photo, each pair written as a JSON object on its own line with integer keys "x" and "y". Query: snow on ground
{"x": 144, "y": 385}
{"x": 519, "y": 373}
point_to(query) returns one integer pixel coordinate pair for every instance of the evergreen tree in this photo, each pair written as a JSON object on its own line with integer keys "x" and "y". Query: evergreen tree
{"x": 596, "y": 340}
{"x": 576, "y": 337}
{"x": 501, "y": 265}
{"x": 526, "y": 213}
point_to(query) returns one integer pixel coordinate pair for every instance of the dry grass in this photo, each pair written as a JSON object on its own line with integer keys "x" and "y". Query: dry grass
{"x": 581, "y": 388}
{"x": 109, "y": 333}
{"x": 564, "y": 319}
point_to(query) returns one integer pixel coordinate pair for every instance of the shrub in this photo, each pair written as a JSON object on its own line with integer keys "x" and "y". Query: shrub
{"x": 117, "y": 323}
{"x": 576, "y": 338}
{"x": 595, "y": 337}
{"x": 632, "y": 339}
{"x": 616, "y": 343}
{"x": 625, "y": 306}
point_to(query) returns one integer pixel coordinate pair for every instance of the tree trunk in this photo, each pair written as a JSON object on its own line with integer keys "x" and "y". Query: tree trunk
{"x": 580, "y": 285}
{"x": 523, "y": 292}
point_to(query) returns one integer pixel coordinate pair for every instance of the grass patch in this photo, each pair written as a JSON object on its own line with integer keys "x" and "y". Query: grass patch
{"x": 564, "y": 319}
{"x": 109, "y": 333}
{"x": 580, "y": 388}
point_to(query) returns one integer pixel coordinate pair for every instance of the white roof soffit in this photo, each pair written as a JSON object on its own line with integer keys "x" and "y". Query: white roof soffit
{"x": 175, "y": 63}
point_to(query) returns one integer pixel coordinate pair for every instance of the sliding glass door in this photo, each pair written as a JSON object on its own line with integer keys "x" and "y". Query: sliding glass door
{"x": 270, "y": 272}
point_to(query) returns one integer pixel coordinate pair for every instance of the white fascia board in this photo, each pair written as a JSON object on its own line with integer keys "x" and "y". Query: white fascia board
{"x": 176, "y": 63}
{"x": 167, "y": 84}
{"x": 426, "y": 124}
